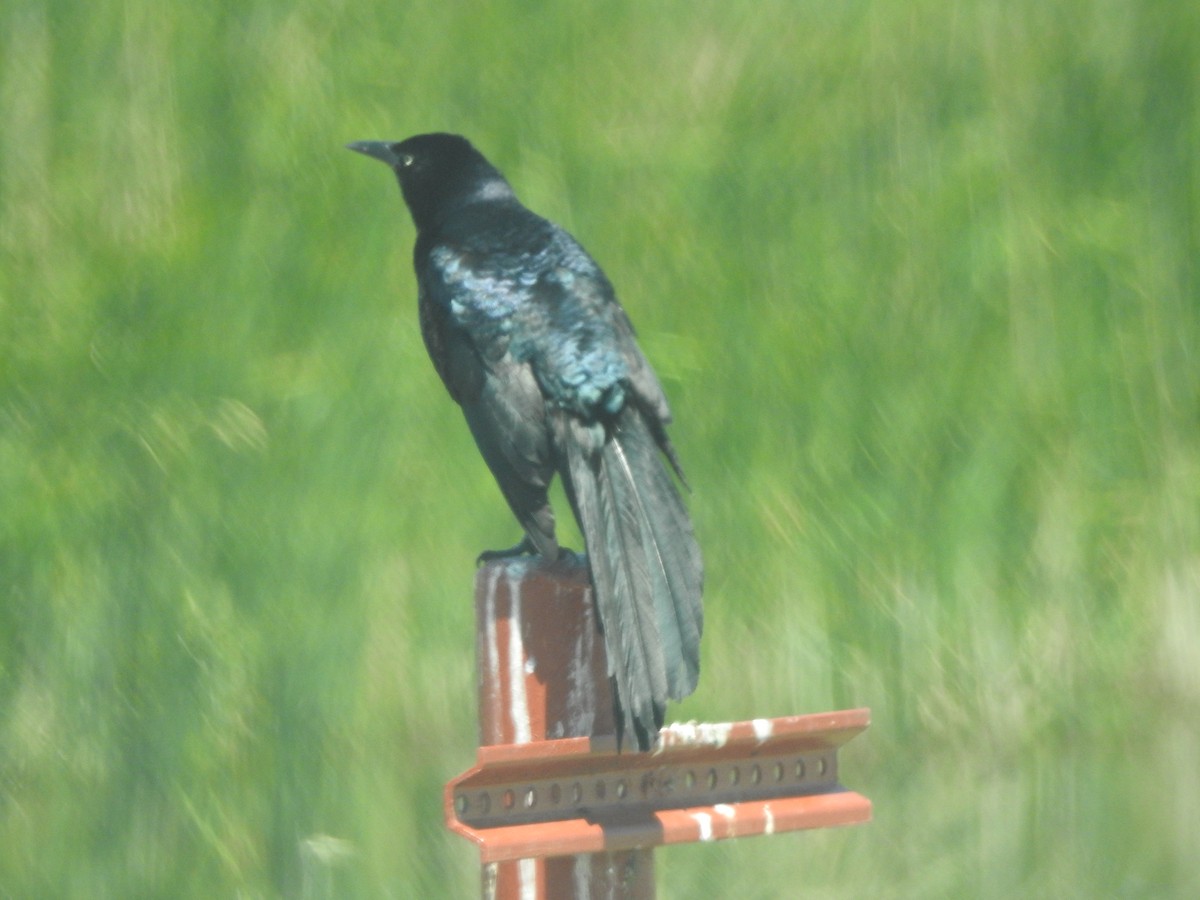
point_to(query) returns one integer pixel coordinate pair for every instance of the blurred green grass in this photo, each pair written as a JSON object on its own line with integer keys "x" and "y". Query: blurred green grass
{"x": 921, "y": 280}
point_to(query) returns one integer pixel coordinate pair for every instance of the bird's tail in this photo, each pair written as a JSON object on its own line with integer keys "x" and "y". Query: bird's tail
{"x": 645, "y": 565}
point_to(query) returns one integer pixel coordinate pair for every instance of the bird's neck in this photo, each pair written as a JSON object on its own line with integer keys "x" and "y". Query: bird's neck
{"x": 434, "y": 201}
{"x": 438, "y": 215}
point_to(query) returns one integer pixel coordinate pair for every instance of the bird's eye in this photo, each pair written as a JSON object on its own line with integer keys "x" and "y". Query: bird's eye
{"x": 403, "y": 160}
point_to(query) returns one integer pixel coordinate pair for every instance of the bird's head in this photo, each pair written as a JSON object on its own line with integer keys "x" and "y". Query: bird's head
{"x": 437, "y": 173}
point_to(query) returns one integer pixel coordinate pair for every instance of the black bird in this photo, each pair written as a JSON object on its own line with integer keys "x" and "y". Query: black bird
{"x": 526, "y": 333}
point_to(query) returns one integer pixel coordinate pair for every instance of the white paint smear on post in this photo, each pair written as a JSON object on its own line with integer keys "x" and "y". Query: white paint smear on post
{"x": 491, "y": 652}
{"x": 704, "y": 821}
{"x": 519, "y": 705}
{"x": 527, "y": 876}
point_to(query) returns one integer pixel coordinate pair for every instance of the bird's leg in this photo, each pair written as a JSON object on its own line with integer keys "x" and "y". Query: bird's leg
{"x": 525, "y": 548}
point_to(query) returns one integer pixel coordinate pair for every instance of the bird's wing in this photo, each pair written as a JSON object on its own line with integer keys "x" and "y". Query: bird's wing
{"x": 450, "y": 347}
{"x": 591, "y": 349}
{"x": 467, "y": 309}
{"x": 534, "y": 295}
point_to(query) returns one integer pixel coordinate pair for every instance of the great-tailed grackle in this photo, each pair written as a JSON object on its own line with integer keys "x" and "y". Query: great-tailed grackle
{"x": 527, "y": 335}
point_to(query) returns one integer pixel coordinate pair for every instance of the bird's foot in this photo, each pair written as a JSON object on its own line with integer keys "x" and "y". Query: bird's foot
{"x": 525, "y": 548}
{"x": 567, "y": 556}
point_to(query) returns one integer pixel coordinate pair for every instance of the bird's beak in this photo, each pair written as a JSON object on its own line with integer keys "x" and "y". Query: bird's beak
{"x": 380, "y": 150}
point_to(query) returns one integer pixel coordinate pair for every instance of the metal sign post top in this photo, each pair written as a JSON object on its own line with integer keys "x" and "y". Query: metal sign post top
{"x": 549, "y": 783}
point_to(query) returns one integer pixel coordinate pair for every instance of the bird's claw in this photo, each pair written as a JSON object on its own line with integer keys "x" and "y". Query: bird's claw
{"x": 525, "y": 548}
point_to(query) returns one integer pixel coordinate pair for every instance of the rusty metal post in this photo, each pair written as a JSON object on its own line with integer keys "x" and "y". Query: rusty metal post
{"x": 543, "y": 675}
{"x": 558, "y": 812}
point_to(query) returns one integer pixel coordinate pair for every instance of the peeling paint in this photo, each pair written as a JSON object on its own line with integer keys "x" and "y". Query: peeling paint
{"x": 527, "y": 876}
{"x": 518, "y": 704}
{"x": 705, "y": 734}
{"x": 763, "y": 728}
{"x": 729, "y": 814}
{"x": 581, "y": 873}
{"x": 491, "y": 660}
{"x": 704, "y": 820}
{"x": 581, "y": 693}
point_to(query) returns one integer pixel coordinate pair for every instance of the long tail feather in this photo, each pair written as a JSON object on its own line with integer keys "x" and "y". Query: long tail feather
{"x": 645, "y": 564}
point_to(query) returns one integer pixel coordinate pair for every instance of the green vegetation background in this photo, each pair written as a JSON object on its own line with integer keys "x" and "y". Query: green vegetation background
{"x": 920, "y": 278}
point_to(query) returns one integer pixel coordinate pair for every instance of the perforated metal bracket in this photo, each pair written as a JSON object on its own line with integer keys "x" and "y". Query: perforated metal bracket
{"x": 702, "y": 782}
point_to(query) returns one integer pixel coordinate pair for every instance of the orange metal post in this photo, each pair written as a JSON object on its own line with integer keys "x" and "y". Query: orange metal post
{"x": 557, "y": 812}
{"x": 543, "y": 675}
{"x": 701, "y": 782}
